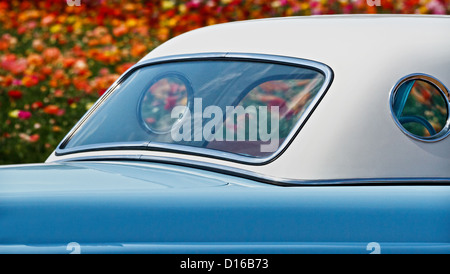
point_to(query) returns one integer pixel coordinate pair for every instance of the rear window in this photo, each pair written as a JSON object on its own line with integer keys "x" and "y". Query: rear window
{"x": 236, "y": 107}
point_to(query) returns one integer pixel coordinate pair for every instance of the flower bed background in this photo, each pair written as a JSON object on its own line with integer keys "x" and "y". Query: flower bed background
{"x": 56, "y": 60}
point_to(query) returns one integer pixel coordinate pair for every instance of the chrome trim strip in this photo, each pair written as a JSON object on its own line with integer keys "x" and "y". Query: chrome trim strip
{"x": 262, "y": 178}
{"x": 107, "y": 146}
{"x": 273, "y": 59}
{"x": 442, "y": 89}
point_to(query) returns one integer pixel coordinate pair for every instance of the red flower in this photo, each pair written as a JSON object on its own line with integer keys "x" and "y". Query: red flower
{"x": 34, "y": 138}
{"x": 15, "y": 94}
{"x": 37, "y": 105}
{"x": 101, "y": 91}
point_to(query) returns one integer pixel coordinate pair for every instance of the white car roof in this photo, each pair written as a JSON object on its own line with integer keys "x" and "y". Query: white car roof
{"x": 351, "y": 134}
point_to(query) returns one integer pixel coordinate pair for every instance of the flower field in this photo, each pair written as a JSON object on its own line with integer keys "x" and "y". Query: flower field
{"x": 56, "y": 59}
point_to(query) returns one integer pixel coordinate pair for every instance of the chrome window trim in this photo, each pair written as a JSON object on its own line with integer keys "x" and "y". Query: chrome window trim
{"x": 441, "y": 88}
{"x": 263, "y": 178}
{"x": 249, "y": 57}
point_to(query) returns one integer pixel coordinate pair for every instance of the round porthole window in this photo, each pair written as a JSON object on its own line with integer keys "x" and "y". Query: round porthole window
{"x": 420, "y": 106}
{"x": 163, "y": 95}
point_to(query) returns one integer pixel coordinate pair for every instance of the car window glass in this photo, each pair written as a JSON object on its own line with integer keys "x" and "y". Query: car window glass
{"x": 242, "y": 107}
{"x": 420, "y": 108}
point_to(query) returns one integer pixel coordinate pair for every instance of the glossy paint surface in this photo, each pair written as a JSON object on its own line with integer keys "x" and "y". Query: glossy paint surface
{"x": 130, "y": 207}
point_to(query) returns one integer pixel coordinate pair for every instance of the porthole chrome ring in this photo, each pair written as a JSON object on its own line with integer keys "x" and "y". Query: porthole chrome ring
{"x": 445, "y": 131}
{"x": 189, "y": 98}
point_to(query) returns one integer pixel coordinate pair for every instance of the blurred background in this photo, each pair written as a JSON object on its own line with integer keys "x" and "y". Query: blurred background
{"x": 56, "y": 59}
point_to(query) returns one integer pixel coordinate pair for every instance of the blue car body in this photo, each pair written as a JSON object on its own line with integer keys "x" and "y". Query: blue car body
{"x": 128, "y": 207}
{"x": 360, "y": 162}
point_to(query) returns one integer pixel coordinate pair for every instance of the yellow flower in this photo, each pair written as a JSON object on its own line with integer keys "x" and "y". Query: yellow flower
{"x": 89, "y": 105}
{"x": 14, "y": 113}
{"x": 173, "y": 21}
{"x": 423, "y": 10}
{"x": 131, "y": 23}
{"x": 276, "y": 4}
{"x": 55, "y": 28}
{"x": 182, "y": 8}
{"x": 71, "y": 19}
{"x": 78, "y": 26}
{"x": 167, "y": 4}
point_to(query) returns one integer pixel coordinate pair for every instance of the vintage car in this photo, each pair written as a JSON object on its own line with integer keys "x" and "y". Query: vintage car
{"x": 315, "y": 134}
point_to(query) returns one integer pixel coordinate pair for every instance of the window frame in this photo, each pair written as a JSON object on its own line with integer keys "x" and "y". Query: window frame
{"x": 196, "y": 151}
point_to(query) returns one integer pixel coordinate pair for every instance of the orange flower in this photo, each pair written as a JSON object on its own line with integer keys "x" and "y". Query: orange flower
{"x": 68, "y": 62}
{"x": 4, "y": 45}
{"x": 124, "y": 67}
{"x": 38, "y": 45}
{"x": 6, "y": 81}
{"x": 163, "y": 34}
{"x": 47, "y": 70}
{"x": 51, "y": 109}
{"x": 30, "y": 80}
{"x": 106, "y": 39}
{"x": 51, "y": 54}
{"x": 34, "y": 138}
{"x": 35, "y": 59}
{"x": 48, "y": 19}
{"x": 120, "y": 30}
{"x": 138, "y": 49}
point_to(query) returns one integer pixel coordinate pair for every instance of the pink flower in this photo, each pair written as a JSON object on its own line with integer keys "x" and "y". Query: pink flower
{"x": 170, "y": 102}
{"x": 17, "y": 82}
{"x": 24, "y": 115}
{"x": 436, "y": 7}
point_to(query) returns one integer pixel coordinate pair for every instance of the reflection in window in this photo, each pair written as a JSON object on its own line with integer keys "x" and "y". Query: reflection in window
{"x": 268, "y": 113}
{"x": 159, "y": 101}
{"x": 213, "y": 105}
{"x": 291, "y": 96}
{"x": 420, "y": 108}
